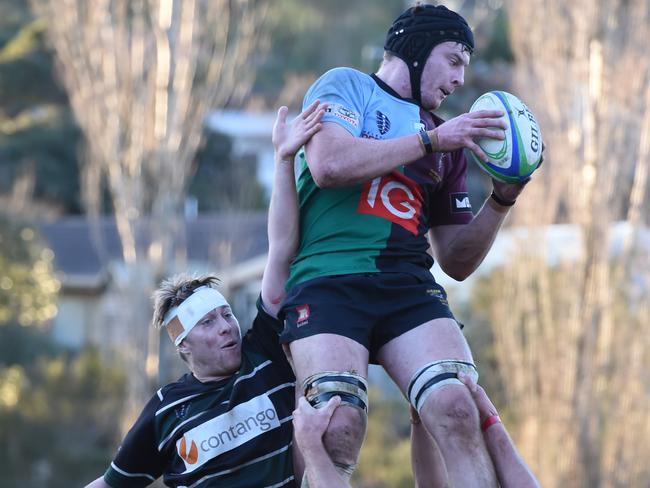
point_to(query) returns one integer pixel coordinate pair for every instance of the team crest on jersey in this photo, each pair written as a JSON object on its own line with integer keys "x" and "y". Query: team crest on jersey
{"x": 394, "y": 197}
{"x": 383, "y": 123}
{"x": 303, "y": 315}
{"x": 181, "y": 411}
{"x": 343, "y": 113}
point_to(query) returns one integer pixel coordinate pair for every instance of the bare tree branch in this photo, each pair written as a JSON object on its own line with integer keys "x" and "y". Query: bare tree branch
{"x": 141, "y": 75}
{"x": 572, "y": 339}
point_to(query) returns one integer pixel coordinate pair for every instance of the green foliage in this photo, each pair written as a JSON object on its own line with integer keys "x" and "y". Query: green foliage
{"x": 27, "y": 280}
{"x": 309, "y": 37}
{"x": 223, "y": 181}
{"x": 58, "y": 418}
{"x": 58, "y": 412}
{"x": 498, "y": 45}
{"x": 36, "y": 123}
{"x": 45, "y": 137}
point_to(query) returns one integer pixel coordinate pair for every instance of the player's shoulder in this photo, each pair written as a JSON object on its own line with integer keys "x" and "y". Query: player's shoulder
{"x": 186, "y": 385}
{"x": 346, "y": 72}
{"x": 346, "y": 75}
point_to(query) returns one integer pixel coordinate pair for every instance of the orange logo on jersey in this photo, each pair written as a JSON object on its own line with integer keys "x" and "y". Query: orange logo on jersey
{"x": 394, "y": 197}
{"x": 189, "y": 457}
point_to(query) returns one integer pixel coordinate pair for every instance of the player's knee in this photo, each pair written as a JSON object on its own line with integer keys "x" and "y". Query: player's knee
{"x": 453, "y": 411}
{"x": 347, "y": 427}
{"x": 442, "y": 400}
{"x": 345, "y": 434}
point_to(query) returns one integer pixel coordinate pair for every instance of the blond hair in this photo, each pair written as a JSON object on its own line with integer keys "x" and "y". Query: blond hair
{"x": 174, "y": 290}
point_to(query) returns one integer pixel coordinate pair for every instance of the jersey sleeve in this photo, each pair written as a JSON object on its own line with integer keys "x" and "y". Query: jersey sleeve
{"x": 343, "y": 90}
{"x": 264, "y": 335}
{"x": 138, "y": 462}
{"x": 452, "y": 199}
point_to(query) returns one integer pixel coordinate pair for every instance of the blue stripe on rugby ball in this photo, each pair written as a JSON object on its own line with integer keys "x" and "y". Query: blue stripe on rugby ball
{"x": 513, "y": 170}
{"x": 489, "y": 169}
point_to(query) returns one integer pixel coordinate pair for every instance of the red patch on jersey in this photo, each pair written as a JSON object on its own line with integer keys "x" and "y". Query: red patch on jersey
{"x": 393, "y": 197}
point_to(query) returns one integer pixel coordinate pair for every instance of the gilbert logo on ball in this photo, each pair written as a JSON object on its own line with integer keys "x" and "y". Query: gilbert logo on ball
{"x": 514, "y": 158}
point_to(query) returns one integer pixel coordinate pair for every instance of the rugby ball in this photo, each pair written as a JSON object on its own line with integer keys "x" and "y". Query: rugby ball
{"x": 514, "y": 158}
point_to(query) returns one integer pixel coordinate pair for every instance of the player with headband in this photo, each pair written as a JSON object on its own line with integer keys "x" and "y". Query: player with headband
{"x": 227, "y": 422}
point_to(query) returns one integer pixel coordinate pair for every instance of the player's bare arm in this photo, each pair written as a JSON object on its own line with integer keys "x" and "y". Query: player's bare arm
{"x": 98, "y": 483}
{"x": 512, "y": 470}
{"x": 310, "y": 425}
{"x": 337, "y": 158}
{"x": 460, "y": 249}
{"x": 283, "y": 226}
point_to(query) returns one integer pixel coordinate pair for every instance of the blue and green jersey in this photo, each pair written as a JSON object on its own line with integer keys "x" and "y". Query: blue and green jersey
{"x": 382, "y": 224}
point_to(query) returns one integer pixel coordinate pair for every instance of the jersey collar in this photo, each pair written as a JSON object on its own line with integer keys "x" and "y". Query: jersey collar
{"x": 387, "y": 88}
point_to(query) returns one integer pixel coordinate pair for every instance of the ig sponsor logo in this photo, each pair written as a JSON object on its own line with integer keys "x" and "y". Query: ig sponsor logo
{"x": 393, "y": 197}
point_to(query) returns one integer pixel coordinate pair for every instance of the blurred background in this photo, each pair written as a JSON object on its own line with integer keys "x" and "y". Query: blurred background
{"x": 135, "y": 143}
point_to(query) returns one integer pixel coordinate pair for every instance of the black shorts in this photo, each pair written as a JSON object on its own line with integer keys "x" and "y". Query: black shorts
{"x": 369, "y": 308}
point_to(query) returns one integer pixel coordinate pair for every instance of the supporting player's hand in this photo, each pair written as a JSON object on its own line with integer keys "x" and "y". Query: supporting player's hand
{"x": 288, "y": 138}
{"x": 510, "y": 191}
{"x": 310, "y": 424}
{"x": 483, "y": 403}
{"x": 462, "y": 131}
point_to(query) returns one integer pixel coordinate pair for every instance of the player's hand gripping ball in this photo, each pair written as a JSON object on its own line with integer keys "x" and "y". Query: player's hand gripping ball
{"x": 514, "y": 158}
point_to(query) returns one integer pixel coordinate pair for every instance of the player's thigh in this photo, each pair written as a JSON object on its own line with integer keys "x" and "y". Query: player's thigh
{"x": 328, "y": 352}
{"x": 434, "y": 340}
{"x": 327, "y": 325}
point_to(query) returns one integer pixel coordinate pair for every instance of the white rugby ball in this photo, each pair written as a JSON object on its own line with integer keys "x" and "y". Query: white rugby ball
{"x": 514, "y": 158}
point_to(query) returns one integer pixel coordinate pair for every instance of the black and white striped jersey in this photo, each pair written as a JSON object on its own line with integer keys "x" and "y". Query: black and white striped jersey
{"x": 231, "y": 433}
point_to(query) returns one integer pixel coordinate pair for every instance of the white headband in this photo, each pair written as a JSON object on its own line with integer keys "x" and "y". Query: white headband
{"x": 180, "y": 320}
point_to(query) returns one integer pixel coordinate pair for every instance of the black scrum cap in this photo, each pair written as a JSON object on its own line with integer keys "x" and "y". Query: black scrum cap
{"x": 418, "y": 30}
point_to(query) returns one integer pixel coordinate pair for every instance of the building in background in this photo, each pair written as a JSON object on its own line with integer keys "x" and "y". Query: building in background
{"x": 88, "y": 262}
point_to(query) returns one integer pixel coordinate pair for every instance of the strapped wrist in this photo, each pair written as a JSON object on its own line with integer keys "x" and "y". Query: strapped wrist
{"x": 425, "y": 142}
{"x": 435, "y": 142}
{"x": 501, "y": 201}
{"x": 429, "y": 141}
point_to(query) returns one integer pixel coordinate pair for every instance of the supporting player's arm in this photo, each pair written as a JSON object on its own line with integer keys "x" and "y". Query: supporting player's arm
{"x": 512, "y": 470}
{"x": 283, "y": 221}
{"x": 428, "y": 465}
{"x": 283, "y": 226}
{"x": 337, "y": 158}
{"x": 98, "y": 483}
{"x": 310, "y": 425}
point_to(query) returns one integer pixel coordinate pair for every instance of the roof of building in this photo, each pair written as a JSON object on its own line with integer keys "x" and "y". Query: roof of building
{"x": 237, "y": 123}
{"x": 83, "y": 248}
